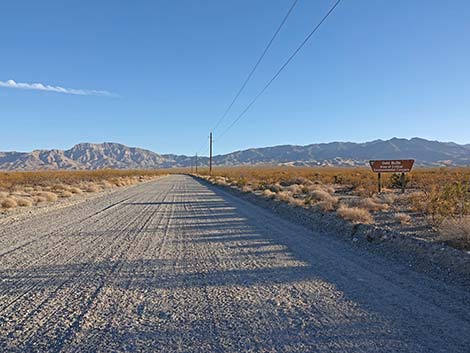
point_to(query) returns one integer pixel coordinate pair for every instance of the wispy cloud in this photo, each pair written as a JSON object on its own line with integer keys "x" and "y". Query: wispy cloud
{"x": 58, "y": 89}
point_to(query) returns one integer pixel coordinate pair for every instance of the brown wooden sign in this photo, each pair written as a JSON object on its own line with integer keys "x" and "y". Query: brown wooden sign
{"x": 392, "y": 165}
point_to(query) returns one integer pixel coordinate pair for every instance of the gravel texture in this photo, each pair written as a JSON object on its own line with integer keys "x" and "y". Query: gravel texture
{"x": 177, "y": 265}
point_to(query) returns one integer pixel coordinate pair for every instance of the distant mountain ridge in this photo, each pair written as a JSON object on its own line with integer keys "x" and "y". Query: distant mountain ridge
{"x": 115, "y": 155}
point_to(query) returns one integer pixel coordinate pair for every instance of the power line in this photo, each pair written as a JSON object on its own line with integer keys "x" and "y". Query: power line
{"x": 256, "y": 65}
{"x": 203, "y": 147}
{"x": 248, "y": 78}
{"x": 281, "y": 68}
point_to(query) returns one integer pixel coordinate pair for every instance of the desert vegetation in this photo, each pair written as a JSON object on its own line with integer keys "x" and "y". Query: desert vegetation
{"x": 440, "y": 197}
{"x": 26, "y": 189}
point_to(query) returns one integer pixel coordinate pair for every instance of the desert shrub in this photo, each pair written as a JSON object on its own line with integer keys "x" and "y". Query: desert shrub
{"x": 297, "y": 202}
{"x": 241, "y": 182}
{"x": 268, "y": 193}
{"x": 402, "y": 218}
{"x": 295, "y": 189}
{"x": 456, "y": 232}
{"x": 75, "y": 190}
{"x": 221, "y": 180}
{"x": 365, "y": 189}
{"x": 372, "y": 205}
{"x": 285, "y": 196}
{"x": 24, "y": 202}
{"x": 450, "y": 201}
{"x": 275, "y": 187}
{"x": 39, "y": 199}
{"x": 106, "y": 184}
{"x": 355, "y": 214}
{"x": 416, "y": 201}
{"x": 388, "y": 199}
{"x": 338, "y": 179}
{"x": 47, "y": 196}
{"x": 8, "y": 203}
{"x": 319, "y": 195}
{"x": 314, "y": 187}
{"x": 394, "y": 181}
{"x": 327, "y": 205}
{"x": 246, "y": 188}
{"x": 93, "y": 188}
{"x": 437, "y": 192}
{"x": 59, "y": 187}
{"x": 123, "y": 182}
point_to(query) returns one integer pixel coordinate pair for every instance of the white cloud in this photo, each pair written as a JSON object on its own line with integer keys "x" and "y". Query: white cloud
{"x": 42, "y": 87}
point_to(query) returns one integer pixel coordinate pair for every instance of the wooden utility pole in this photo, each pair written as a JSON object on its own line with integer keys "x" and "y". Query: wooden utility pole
{"x": 210, "y": 154}
{"x": 191, "y": 161}
{"x": 196, "y": 163}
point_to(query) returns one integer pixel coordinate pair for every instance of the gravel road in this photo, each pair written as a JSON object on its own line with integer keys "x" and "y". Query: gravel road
{"x": 174, "y": 265}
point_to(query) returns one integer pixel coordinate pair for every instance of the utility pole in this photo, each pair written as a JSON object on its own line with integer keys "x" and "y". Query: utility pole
{"x": 210, "y": 155}
{"x": 191, "y": 161}
{"x": 196, "y": 163}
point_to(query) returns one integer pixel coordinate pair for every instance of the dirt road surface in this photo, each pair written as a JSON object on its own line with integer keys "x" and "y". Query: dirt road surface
{"x": 174, "y": 265}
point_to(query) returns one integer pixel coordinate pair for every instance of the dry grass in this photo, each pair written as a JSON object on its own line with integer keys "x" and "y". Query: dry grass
{"x": 294, "y": 189}
{"x": 361, "y": 181}
{"x": 355, "y": 214}
{"x": 368, "y": 203}
{"x": 327, "y": 205}
{"x": 39, "y": 199}
{"x": 434, "y": 195}
{"x": 49, "y": 196}
{"x": 284, "y": 196}
{"x": 8, "y": 203}
{"x": 44, "y": 178}
{"x": 456, "y": 232}
{"x": 436, "y": 192}
{"x": 29, "y": 188}
{"x": 388, "y": 199}
{"x": 75, "y": 190}
{"x": 372, "y": 205}
{"x": 402, "y": 218}
{"x": 269, "y": 194}
{"x": 246, "y": 188}
{"x": 24, "y": 202}
{"x": 92, "y": 187}
{"x": 319, "y": 195}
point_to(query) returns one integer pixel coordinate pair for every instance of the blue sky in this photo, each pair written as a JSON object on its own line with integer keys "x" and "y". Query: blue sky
{"x": 376, "y": 69}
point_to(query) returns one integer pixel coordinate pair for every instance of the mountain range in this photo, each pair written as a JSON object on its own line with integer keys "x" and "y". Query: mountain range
{"x": 115, "y": 155}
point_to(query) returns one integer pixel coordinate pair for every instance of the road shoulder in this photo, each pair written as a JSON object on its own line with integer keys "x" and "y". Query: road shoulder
{"x": 438, "y": 261}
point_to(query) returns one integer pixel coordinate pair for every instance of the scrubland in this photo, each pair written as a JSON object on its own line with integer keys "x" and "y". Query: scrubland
{"x": 26, "y": 189}
{"x": 436, "y": 198}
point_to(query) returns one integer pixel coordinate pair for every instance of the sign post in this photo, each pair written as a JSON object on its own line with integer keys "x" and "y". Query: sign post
{"x": 392, "y": 166}
{"x": 379, "y": 179}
